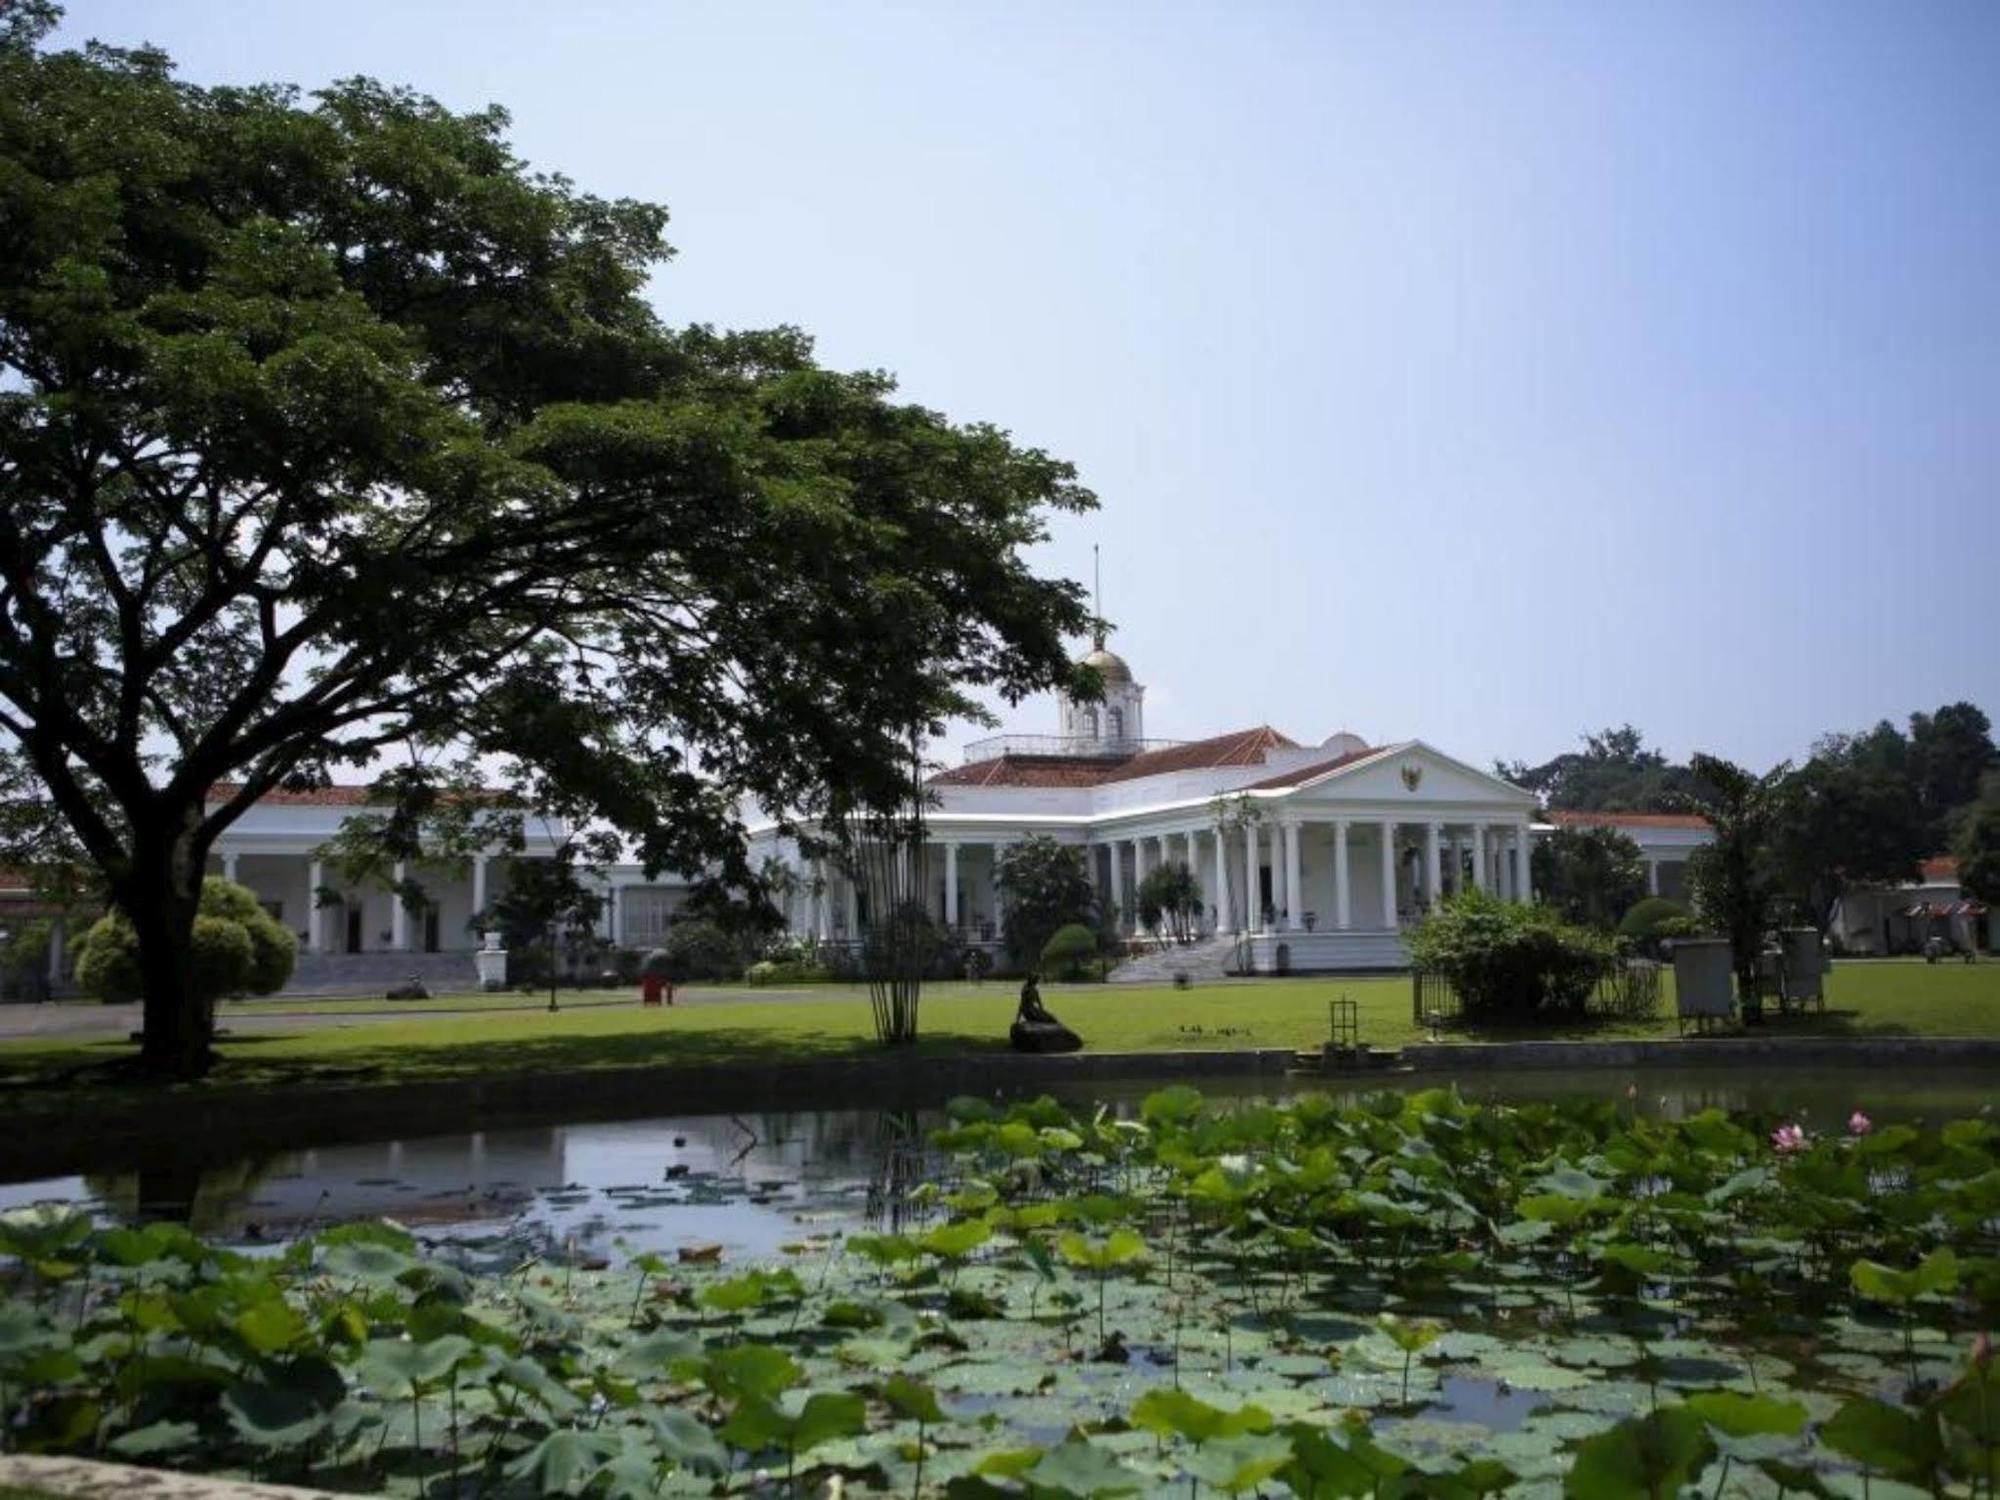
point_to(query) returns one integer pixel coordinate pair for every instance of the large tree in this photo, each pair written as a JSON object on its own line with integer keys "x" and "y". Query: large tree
{"x": 1732, "y": 879}
{"x": 1850, "y": 815}
{"x": 1978, "y": 844}
{"x": 1950, "y": 751}
{"x": 1043, "y": 885}
{"x": 1590, "y": 875}
{"x": 328, "y": 428}
{"x": 1613, "y": 772}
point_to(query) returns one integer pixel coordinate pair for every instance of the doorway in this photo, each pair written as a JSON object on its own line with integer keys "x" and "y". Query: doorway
{"x": 430, "y": 929}
{"x": 353, "y": 929}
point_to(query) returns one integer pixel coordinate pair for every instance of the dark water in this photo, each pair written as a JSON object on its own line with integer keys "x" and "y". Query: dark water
{"x": 758, "y": 1181}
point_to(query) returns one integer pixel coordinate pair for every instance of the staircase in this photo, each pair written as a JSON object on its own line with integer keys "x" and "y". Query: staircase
{"x": 376, "y": 973}
{"x": 1213, "y": 958}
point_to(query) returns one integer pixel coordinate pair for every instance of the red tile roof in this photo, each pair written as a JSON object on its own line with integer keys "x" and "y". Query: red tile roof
{"x": 319, "y": 796}
{"x": 1245, "y": 747}
{"x": 1565, "y": 819}
{"x": 1299, "y": 775}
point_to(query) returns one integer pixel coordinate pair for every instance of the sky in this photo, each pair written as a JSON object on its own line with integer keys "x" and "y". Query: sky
{"x": 1482, "y": 373}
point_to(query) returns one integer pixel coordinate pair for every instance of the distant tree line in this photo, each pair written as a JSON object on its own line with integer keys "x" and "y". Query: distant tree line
{"x": 1864, "y": 808}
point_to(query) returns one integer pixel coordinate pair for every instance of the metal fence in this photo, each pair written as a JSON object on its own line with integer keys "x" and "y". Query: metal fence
{"x": 1628, "y": 992}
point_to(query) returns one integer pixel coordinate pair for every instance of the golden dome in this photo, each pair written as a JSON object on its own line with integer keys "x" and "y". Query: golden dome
{"x": 1110, "y": 666}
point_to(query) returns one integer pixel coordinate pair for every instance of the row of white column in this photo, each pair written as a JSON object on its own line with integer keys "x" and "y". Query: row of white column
{"x": 399, "y": 915}
{"x": 1504, "y": 868}
{"x": 1499, "y": 861}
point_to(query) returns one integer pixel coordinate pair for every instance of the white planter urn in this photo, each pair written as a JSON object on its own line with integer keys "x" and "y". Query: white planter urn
{"x": 492, "y": 962}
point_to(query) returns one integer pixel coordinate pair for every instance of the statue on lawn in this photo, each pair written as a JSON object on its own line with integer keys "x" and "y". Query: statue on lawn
{"x": 1035, "y": 1029}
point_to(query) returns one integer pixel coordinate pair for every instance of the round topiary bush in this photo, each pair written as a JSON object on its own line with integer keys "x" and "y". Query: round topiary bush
{"x": 239, "y": 949}
{"x": 1068, "y": 950}
{"x": 1642, "y": 923}
{"x": 695, "y": 950}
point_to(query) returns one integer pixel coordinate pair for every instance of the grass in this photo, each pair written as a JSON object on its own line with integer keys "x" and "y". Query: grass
{"x": 825, "y": 1022}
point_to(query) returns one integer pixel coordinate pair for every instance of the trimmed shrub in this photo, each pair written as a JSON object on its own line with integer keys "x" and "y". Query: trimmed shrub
{"x": 1069, "y": 950}
{"x": 239, "y": 949}
{"x": 696, "y": 950}
{"x": 1642, "y": 923}
{"x": 1511, "y": 962}
{"x": 1653, "y": 922}
{"x": 786, "y": 971}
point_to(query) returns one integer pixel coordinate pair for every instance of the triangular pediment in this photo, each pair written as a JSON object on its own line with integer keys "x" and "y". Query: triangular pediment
{"x": 1415, "y": 774}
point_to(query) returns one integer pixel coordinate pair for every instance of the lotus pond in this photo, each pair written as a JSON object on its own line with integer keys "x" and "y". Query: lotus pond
{"x": 1404, "y": 1293}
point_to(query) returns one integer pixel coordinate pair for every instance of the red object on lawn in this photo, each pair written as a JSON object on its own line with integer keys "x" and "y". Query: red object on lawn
{"x": 650, "y": 989}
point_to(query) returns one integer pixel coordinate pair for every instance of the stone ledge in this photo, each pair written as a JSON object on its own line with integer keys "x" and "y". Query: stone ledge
{"x": 1729, "y": 1051}
{"x": 90, "y": 1479}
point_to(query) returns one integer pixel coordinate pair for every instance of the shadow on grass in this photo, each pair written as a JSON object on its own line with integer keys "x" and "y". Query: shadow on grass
{"x": 97, "y": 1067}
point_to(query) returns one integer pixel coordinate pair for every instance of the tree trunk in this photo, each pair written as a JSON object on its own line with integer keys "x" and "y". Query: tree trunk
{"x": 160, "y": 897}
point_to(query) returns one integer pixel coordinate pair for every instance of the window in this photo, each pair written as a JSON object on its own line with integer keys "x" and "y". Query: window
{"x": 1090, "y": 723}
{"x": 645, "y": 914}
{"x": 1115, "y": 723}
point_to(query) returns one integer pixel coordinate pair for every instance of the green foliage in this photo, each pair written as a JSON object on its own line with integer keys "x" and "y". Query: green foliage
{"x": 787, "y": 971}
{"x": 1978, "y": 844}
{"x": 1654, "y": 918}
{"x": 1508, "y": 960}
{"x": 1614, "y": 772}
{"x": 1589, "y": 875}
{"x": 348, "y": 356}
{"x": 1169, "y": 899}
{"x": 1951, "y": 753}
{"x": 1732, "y": 879}
{"x": 236, "y": 948}
{"x": 1068, "y": 950}
{"x": 695, "y": 949}
{"x": 1849, "y": 815}
{"x": 1298, "y": 1255}
{"x": 1044, "y": 885}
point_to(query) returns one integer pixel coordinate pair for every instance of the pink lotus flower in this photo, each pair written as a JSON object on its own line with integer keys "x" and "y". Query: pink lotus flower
{"x": 1859, "y": 1124}
{"x": 1790, "y": 1138}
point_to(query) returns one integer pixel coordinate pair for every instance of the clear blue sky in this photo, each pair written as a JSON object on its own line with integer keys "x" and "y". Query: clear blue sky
{"x": 1480, "y": 372}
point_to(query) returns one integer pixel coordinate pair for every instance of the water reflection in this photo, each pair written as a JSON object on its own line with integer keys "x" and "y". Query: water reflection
{"x": 756, "y": 1181}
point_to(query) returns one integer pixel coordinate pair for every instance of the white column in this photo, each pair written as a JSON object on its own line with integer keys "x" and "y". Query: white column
{"x": 399, "y": 914}
{"x": 1389, "y": 874}
{"x": 1294, "y": 907}
{"x": 1479, "y": 872}
{"x": 1222, "y": 922}
{"x": 609, "y": 929}
{"x": 1524, "y": 881}
{"x": 478, "y": 884}
{"x": 1140, "y": 869}
{"x": 852, "y": 910}
{"x": 229, "y": 858}
{"x": 1252, "y": 903}
{"x": 1433, "y": 867}
{"x": 315, "y": 927}
{"x": 58, "y": 940}
{"x": 951, "y": 885}
{"x": 1117, "y": 881}
{"x": 1652, "y": 875}
{"x": 1343, "y": 916}
{"x": 1193, "y": 855}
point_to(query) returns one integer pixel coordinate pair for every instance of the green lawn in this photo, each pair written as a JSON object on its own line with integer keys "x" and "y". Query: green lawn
{"x": 1879, "y": 999}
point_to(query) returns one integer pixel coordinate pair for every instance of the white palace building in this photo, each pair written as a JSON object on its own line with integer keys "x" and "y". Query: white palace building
{"x": 1337, "y": 846}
